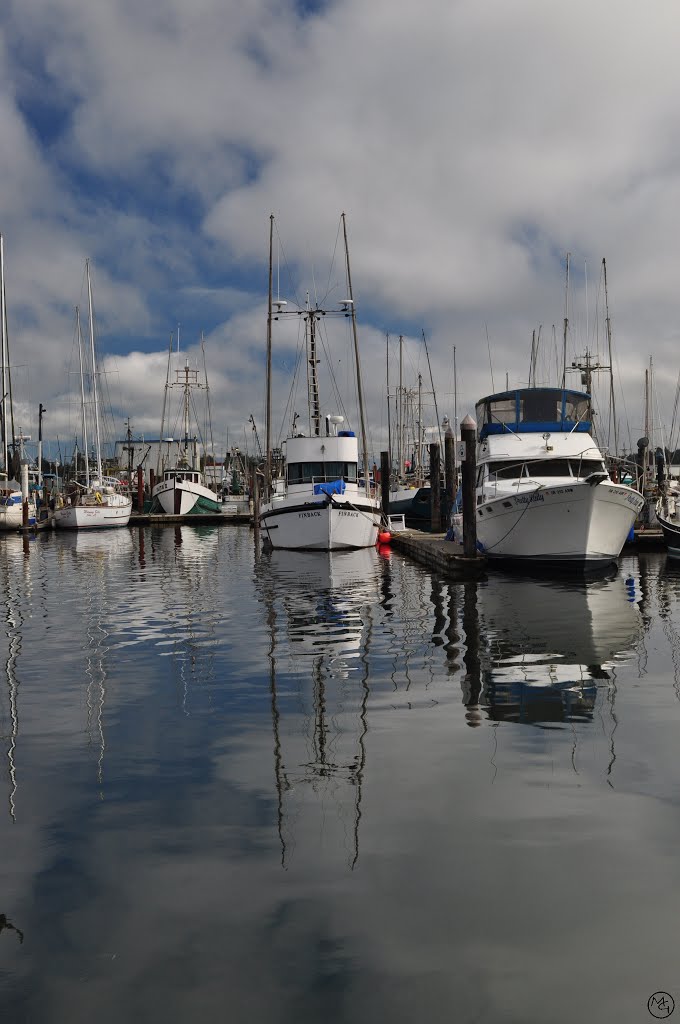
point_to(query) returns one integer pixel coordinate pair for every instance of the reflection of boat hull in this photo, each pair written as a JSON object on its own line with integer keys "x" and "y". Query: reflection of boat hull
{"x": 667, "y": 517}
{"x": 182, "y": 497}
{"x": 93, "y": 517}
{"x": 574, "y": 525}
{"x": 580, "y": 623}
{"x": 327, "y": 525}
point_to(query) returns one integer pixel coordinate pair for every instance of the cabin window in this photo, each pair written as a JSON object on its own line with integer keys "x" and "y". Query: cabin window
{"x": 576, "y": 409}
{"x": 550, "y": 467}
{"x": 503, "y": 410}
{"x": 540, "y": 406}
{"x": 584, "y": 467}
{"x": 506, "y": 470}
{"x": 321, "y": 472}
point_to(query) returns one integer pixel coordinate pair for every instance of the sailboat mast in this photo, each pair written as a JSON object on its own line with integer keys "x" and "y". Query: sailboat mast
{"x": 389, "y": 418}
{"x": 82, "y": 396}
{"x": 268, "y": 411}
{"x": 611, "y": 364}
{"x": 94, "y": 374}
{"x": 419, "y": 449}
{"x": 566, "y": 327}
{"x": 360, "y": 395}
{"x": 3, "y": 359}
{"x": 455, "y": 417}
{"x": 400, "y": 416}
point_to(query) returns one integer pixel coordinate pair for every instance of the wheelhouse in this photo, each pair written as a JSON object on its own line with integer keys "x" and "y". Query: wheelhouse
{"x": 534, "y": 410}
{"x": 182, "y": 474}
{"x": 321, "y": 472}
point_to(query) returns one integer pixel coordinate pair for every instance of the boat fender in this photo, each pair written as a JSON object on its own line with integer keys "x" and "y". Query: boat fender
{"x": 384, "y": 537}
{"x": 98, "y": 497}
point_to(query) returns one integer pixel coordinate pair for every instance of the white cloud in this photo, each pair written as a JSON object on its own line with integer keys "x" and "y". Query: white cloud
{"x": 472, "y": 148}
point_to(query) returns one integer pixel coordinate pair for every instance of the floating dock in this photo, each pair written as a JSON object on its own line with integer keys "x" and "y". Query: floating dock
{"x": 446, "y": 556}
{"x": 202, "y": 519}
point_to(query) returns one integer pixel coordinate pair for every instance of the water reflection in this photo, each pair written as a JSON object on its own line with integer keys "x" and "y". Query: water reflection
{"x": 16, "y": 590}
{"x": 547, "y": 646}
{"x": 319, "y": 612}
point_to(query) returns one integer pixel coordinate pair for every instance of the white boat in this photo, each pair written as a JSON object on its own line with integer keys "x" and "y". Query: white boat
{"x": 99, "y": 503}
{"x": 181, "y": 489}
{"x": 11, "y": 499}
{"x": 668, "y": 518}
{"x": 11, "y": 505}
{"x": 319, "y": 503}
{"x": 544, "y": 495}
{"x": 97, "y": 506}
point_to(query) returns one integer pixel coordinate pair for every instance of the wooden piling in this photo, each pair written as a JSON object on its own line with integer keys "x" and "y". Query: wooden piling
{"x": 449, "y": 474}
{"x": 469, "y": 474}
{"x": 385, "y": 483}
{"x": 435, "y": 490}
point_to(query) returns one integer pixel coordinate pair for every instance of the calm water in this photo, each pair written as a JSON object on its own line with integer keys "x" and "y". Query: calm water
{"x": 332, "y": 788}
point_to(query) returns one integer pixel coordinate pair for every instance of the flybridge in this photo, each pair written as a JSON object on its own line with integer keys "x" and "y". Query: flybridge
{"x": 534, "y": 410}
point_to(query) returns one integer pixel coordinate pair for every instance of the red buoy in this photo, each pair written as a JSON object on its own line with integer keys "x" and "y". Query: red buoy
{"x": 384, "y": 537}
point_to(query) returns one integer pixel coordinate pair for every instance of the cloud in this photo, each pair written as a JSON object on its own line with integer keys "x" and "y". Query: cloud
{"x": 471, "y": 149}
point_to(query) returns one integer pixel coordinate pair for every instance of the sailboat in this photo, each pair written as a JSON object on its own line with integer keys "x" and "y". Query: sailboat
{"x": 99, "y": 503}
{"x": 11, "y": 497}
{"x": 182, "y": 489}
{"x": 319, "y": 504}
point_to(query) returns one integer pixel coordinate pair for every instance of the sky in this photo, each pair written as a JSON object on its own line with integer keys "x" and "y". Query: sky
{"x": 472, "y": 146}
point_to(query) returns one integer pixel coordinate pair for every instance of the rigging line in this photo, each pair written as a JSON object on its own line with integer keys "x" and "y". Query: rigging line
{"x": 488, "y": 347}
{"x": 673, "y": 438}
{"x": 296, "y": 297}
{"x": 434, "y": 395}
{"x": 294, "y": 382}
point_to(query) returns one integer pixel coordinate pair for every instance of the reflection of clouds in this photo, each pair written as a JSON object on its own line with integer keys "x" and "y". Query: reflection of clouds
{"x": 470, "y": 892}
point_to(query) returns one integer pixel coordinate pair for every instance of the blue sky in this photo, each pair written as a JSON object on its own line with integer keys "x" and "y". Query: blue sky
{"x": 472, "y": 146}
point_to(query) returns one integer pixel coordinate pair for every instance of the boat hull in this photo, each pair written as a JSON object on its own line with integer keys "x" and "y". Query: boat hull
{"x": 667, "y": 518}
{"x": 333, "y": 525}
{"x": 182, "y": 497}
{"x": 11, "y": 512}
{"x": 93, "y": 517}
{"x": 576, "y": 525}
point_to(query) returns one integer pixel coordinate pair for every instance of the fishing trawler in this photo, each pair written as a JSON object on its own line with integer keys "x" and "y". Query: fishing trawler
{"x": 318, "y": 502}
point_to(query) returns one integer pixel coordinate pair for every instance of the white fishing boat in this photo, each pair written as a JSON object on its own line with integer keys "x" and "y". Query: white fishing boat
{"x": 99, "y": 502}
{"x": 319, "y": 503}
{"x": 11, "y": 498}
{"x": 181, "y": 489}
{"x": 544, "y": 495}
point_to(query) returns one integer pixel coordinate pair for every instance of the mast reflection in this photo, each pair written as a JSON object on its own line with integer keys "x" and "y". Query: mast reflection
{"x": 16, "y": 588}
{"x": 319, "y": 618}
{"x": 97, "y": 607}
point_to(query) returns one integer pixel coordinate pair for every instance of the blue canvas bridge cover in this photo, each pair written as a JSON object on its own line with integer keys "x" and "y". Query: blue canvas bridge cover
{"x": 332, "y": 487}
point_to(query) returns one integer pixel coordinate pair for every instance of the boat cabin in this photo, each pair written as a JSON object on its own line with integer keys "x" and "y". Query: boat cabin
{"x": 182, "y": 474}
{"x": 321, "y": 472}
{"x": 534, "y": 410}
